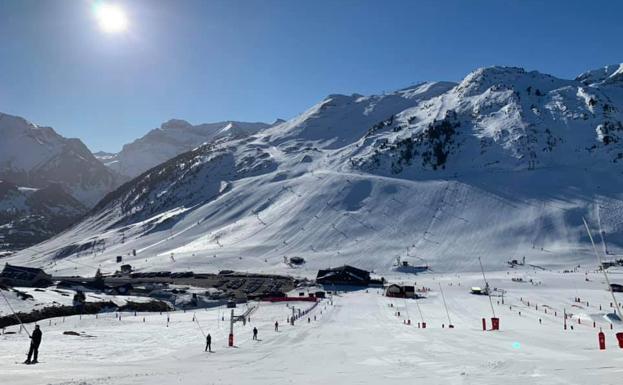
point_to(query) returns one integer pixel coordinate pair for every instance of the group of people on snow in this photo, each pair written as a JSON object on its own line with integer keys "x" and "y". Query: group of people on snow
{"x": 35, "y": 342}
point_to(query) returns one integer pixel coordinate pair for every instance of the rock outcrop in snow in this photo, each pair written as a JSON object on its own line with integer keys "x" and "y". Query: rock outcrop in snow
{"x": 29, "y": 215}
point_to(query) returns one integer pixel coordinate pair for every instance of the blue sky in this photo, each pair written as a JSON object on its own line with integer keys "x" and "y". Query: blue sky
{"x": 259, "y": 60}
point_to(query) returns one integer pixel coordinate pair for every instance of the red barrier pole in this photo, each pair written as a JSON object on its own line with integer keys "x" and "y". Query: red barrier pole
{"x": 484, "y": 324}
{"x": 619, "y": 338}
{"x": 602, "y": 340}
{"x": 423, "y": 325}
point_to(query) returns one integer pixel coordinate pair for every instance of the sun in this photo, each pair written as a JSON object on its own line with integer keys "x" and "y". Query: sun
{"x": 111, "y": 18}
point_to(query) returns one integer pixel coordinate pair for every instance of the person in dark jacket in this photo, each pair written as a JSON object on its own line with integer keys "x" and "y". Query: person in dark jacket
{"x": 35, "y": 341}
{"x": 255, "y": 333}
{"x": 276, "y": 326}
{"x": 209, "y": 343}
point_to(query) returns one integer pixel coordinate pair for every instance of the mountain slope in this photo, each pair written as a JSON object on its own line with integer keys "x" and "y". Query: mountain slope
{"x": 171, "y": 139}
{"x": 504, "y": 164}
{"x": 36, "y": 156}
{"x": 29, "y": 216}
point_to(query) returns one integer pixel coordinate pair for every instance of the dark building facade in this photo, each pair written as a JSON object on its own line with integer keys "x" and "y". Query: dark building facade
{"x": 344, "y": 275}
{"x": 24, "y": 276}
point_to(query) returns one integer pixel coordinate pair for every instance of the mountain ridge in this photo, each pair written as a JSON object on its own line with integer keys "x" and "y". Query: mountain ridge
{"x": 504, "y": 163}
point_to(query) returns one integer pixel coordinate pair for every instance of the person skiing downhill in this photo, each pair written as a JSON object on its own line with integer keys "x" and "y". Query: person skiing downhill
{"x": 35, "y": 341}
{"x": 255, "y": 333}
{"x": 209, "y": 343}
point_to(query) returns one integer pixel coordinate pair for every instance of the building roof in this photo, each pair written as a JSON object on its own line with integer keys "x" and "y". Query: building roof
{"x": 20, "y": 272}
{"x": 345, "y": 268}
{"x": 343, "y": 273}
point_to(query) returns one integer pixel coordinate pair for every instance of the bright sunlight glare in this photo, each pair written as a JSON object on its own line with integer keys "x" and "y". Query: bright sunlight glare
{"x": 111, "y": 18}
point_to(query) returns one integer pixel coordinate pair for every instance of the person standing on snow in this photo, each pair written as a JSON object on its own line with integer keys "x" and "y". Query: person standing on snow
{"x": 209, "y": 343}
{"x": 255, "y": 333}
{"x": 276, "y": 326}
{"x": 35, "y": 341}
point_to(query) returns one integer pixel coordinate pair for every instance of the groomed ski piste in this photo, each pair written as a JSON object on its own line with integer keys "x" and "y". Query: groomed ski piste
{"x": 352, "y": 337}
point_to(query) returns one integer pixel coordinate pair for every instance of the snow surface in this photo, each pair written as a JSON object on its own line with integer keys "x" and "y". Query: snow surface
{"x": 171, "y": 139}
{"x": 53, "y": 296}
{"x": 357, "y": 340}
{"x": 502, "y": 165}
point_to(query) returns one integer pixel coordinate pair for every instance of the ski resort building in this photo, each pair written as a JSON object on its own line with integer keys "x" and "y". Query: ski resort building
{"x": 477, "y": 290}
{"x": 24, "y": 276}
{"x": 344, "y": 275}
{"x": 398, "y": 291}
{"x": 126, "y": 269}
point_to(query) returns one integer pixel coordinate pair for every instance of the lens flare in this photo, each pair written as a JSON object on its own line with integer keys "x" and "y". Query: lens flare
{"x": 111, "y": 18}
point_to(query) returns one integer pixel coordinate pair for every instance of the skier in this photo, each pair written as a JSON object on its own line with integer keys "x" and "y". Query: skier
{"x": 255, "y": 333}
{"x": 209, "y": 343}
{"x": 276, "y": 326}
{"x": 34, "y": 346}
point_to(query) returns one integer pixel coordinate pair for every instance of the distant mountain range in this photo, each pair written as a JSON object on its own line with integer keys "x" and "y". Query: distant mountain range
{"x": 501, "y": 165}
{"x": 34, "y": 156}
{"x": 37, "y": 159}
{"x": 171, "y": 139}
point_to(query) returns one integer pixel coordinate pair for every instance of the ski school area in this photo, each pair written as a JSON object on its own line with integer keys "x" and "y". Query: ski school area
{"x": 552, "y": 329}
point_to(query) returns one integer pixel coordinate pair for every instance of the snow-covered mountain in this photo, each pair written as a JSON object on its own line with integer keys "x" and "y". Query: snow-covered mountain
{"x": 503, "y": 164}
{"x": 58, "y": 179}
{"x": 36, "y": 157}
{"x": 171, "y": 139}
{"x": 29, "y": 215}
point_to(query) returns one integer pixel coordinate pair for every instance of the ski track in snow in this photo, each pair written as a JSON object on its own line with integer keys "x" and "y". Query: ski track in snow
{"x": 358, "y": 340}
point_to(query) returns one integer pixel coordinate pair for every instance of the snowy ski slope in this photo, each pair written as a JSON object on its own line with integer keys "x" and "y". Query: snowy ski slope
{"x": 502, "y": 165}
{"x": 357, "y": 340}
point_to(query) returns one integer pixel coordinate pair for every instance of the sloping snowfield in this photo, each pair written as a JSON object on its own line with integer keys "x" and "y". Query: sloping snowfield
{"x": 332, "y": 219}
{"x": 358, "y": 339}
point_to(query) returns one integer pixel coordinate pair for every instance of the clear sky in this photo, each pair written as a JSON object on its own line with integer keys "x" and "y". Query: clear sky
{"x": 258, "y": 60}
